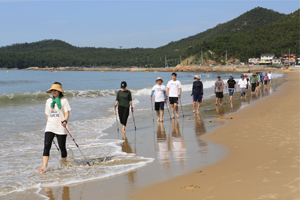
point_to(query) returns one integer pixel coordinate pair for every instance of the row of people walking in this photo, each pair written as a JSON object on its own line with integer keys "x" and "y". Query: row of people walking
{"x": 57, "y": 108}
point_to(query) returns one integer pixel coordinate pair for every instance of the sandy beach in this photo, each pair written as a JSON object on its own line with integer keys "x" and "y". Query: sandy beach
{"x": 219, "y": 154}
{"x": 263, "y": 159}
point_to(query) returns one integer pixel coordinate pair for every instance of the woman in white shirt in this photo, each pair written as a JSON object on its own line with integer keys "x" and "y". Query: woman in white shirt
{"x": 57, "y": 114}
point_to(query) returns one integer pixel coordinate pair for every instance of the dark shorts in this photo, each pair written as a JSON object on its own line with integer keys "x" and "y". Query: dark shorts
{"x": 231, "y": 91}
{"x": 219, "y": 95}
{"x": 253, "y": 86}
{"x": 198, "y": 97}
{"x": 173, "y": 100}
{"x": 266, "y": 82}
{"x": 159, "y": 106}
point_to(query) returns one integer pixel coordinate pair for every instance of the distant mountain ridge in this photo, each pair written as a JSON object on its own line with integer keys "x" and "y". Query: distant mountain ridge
{"x": 252, "y": 19}
{"x": 44, "y": 52}
{"x": 278, "y": 37}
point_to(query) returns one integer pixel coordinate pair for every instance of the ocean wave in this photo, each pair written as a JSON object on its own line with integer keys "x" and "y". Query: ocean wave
{"x": 41, "y": 97}
{"x": 201, "y": 75}
{"x": 89, "y": 135}
{"x": 17, "y": 82}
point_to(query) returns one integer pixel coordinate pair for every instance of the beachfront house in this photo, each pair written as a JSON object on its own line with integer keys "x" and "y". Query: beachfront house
{"x": 266, "y": 59}
{"x": 289, "y": 58}
{"x": 298, "y": 61}
{"x": 276, "y": 61}
{"x": 253, "y": 61}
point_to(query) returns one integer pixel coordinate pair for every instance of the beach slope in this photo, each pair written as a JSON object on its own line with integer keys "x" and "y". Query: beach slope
{"x": 263, "y": 159}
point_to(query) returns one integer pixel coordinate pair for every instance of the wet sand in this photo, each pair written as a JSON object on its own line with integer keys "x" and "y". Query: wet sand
{"x": 263, "y": 159}
{"x": 178, "y": 147}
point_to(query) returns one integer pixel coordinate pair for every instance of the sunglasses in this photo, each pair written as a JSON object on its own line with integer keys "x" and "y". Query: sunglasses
{"x": 53, "y": 91}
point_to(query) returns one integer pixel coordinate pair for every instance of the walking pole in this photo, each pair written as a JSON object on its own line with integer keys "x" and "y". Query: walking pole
{"x": 55, "y": 145}
{"x": 181, "y": 107}
{"x": 168, "y": 109}
{"x": 78, "y": 147}
{"x": 133, "y": 119}
{"x": 153, "y": 118}
{"x": 152, "y": 111}
{"x": 117, "y": 119}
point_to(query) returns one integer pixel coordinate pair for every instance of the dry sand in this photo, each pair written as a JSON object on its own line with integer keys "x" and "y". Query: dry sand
{"x": 263, "y": 159}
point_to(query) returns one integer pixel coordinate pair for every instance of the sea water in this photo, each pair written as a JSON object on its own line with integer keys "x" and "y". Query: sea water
{"x": 91, "y": 96}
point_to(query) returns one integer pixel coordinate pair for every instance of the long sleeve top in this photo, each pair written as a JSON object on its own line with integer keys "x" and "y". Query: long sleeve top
{"x": 197, "y": 88}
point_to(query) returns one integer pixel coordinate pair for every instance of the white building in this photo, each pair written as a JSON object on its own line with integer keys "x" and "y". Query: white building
{"x": 266, "y": 59}
{"x": 253, "y": 60}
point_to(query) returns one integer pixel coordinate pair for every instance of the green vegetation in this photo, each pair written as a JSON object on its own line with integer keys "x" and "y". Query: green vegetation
{"x": 275, "y": 38}
{"x": 54, "y": 53}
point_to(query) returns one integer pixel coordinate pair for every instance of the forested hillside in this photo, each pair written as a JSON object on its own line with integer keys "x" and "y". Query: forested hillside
{"x": 275, "y": 38}
{"x": 56, "y": 53}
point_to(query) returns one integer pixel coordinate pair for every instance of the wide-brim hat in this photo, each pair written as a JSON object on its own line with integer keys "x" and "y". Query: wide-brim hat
{"x": 159, "y": 78}
{"x": 57, "y": 87}
{"x": 197, "y": 77}
{"x": 253, "y": 73}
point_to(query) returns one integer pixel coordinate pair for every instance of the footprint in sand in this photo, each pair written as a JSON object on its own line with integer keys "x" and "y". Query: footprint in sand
{"x": 275, "y": 172}
{"x": 190, "y": 188}
{"x": 266, "y": 180}
{"x": 268, "y": 196}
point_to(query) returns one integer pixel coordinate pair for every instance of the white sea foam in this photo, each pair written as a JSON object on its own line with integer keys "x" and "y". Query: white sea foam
{"x": 88, "y": 135}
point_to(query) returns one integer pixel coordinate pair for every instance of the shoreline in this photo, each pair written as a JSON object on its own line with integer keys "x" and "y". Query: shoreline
{"x": 178, "y": 68}
{"x": 88, "y": 189}
{"x": 263, "y": 158}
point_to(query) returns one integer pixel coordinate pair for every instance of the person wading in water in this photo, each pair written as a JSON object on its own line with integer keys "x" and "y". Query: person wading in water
{"x": 57, "y": 114}
{"x": 123, "y": 101}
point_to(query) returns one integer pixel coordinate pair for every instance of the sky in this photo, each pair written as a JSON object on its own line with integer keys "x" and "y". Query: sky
{"x": 130, "y": 24}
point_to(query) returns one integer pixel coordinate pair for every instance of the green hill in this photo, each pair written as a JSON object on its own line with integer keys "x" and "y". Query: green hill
{"x": 252, "y": 19}
{"x": 59, "y": 53}
{"x": 277, "y": 37}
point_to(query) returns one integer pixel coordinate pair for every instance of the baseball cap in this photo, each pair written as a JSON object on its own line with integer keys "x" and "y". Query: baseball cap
{"x": 123, "y": 84}
{"x": 218, "y": 76}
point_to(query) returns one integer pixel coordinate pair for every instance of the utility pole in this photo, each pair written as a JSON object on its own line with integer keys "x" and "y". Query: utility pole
{"x": 289, "y": 56}
{"x": 201, "y": 57}
{"x": 226, "y": 56}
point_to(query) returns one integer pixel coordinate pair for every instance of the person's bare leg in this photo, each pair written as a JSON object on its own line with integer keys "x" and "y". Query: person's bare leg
{"x": 230, "y": 99}
{"x": 157, "y": 113}
{"x": 221, "y": 99}
{"x": 64, "y": 159}
{"x": 45, "y": 163}
{"x": 176, "y": 109}
{"x": 198, "y": 108}
{"x": 123, "y": 129}
{"x": 161, "y": 115}
{"x": 217, "y": 101}
{"x": 172, "y": 110}
{"x": 194, "y": 106}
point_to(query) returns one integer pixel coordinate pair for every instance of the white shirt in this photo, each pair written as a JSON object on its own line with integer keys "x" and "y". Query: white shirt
{"x": 242, "y": 83}
{"x": 159, "y": 91}
{"x": 174, "y": 87}
{"x": 270, "y": 76}
{"x": 56, "y": 116}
